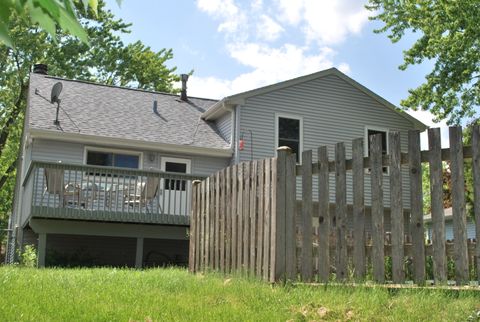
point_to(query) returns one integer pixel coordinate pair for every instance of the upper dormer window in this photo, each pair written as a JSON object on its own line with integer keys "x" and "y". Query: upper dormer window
{"x": 289, "y": 133}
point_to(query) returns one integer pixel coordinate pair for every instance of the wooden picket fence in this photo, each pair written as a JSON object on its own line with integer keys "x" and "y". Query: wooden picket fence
{"x": 246, "y": 218}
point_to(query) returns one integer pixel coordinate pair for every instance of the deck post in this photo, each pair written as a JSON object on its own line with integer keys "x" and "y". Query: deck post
{"x": 139, "y": 253}
{"x": 42, "y": 248}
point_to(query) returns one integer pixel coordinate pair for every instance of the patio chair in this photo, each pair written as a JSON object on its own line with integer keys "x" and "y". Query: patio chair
{"x": 55, "y": 185}
{"x": 144, "y": 193}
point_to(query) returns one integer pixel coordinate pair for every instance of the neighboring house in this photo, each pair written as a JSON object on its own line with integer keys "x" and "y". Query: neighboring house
{"x": 448, "y": 226}
{"x": 110, "y": 184}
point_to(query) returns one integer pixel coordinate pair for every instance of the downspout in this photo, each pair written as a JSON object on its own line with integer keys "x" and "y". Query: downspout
{"x": 237, "y": 133}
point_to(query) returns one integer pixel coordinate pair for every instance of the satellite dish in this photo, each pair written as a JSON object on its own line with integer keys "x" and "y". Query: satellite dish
{"x": 56, "y": 90}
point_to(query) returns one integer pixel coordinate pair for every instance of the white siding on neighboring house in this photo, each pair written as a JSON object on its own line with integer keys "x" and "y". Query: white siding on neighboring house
{"x": 332, "y": 111}
{"x": 224, "y": 126}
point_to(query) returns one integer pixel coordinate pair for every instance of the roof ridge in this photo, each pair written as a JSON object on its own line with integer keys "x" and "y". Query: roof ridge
{"x": 119, "y": 87}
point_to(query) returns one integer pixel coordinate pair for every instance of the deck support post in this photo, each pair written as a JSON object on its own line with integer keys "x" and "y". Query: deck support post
{"x": 139, "y": 253}
{"x": 42, "y": 249}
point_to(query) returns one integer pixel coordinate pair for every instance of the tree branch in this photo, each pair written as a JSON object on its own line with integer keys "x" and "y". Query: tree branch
{"x": 12, "y": 118}
{"x": 4, "y": 178}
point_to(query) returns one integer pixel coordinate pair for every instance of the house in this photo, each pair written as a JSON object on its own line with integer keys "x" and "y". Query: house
{"x": 105, "y": 171}
{"x": 448, "y": 226}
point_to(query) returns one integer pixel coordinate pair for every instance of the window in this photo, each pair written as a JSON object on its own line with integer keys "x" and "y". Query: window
{"x": 112, "y": 159}
{"x": 173, "y": 184}
{"x": 176, "y": 165}
{"x": 289, "y": 133}
{"x": 384, "y": 133}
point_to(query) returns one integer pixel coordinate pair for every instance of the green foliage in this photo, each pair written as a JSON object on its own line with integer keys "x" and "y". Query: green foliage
{"x": 28, "y": 257}
{"x": 467, "y": 140}
{"x": 449, "y": 35}
{"x": 48, "y": 14}
{"x": 174, "y": 294}
{"x": 108, "y": 60}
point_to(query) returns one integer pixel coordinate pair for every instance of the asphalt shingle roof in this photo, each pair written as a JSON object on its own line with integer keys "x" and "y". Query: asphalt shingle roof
{"x": 117, "y": 112}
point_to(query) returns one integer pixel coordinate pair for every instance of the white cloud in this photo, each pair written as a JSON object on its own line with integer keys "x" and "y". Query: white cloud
{"x": 226, "y": 10}
{"x": 326, "y": 22}
{"x": 250, "y": 29}
{"x": 268, "y": 29}
{"x": 269, "y": 65}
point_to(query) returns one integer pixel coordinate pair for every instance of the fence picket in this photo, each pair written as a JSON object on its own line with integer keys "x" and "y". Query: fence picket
{"x": 358, "y": 209}
{"x": 246, "y": 215}
{"x": 253, "y": 216}
{"x": 222, "y": 220}
{"x": 396, "y": 209}
{"x": 458, "y": 205}
{"x": 217, "y": 221}
{"x": 273, "y": 222}
{"x": 438, "y": 216}
{"x": 307, "y": 212}
{"x": 229, "y": 201}
{"x": 323, "y": 216}
{"x": 260, "y": 216}
{"x": 211, "y": 219}
{"x": 202, "y": 219}
{"x": 240, "y": 217}
{"x": 341, "y": 259}
{"x": 476, "y": 190}
{"x": 193, "y": 234}
{"x": 376, "y": 177}
{"x": 290, "y": 218}
{"x": 416, "y": 207}
{"x": 235, "y": 218}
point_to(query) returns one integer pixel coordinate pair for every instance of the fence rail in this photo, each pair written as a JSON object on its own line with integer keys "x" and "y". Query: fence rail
{"x": 87, "y": 192}
{"x": 247, "y": 217}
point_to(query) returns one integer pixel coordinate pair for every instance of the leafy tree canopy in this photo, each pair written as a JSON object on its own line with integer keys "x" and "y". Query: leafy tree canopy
{"x": 449, "y": 36}
{"x": 106, "y": 59}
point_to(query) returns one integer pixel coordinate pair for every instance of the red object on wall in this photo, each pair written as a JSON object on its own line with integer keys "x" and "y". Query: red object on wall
{"x": 241, "y": 144}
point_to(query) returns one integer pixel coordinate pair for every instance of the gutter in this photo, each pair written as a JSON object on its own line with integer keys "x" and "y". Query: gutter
{"x": 128, "y": 143}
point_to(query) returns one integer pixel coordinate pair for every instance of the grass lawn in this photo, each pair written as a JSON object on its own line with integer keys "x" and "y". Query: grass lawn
{"x": 175, "y": 295}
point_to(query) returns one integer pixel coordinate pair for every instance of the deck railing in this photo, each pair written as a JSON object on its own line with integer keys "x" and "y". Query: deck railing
{"x": 69, "y": 191}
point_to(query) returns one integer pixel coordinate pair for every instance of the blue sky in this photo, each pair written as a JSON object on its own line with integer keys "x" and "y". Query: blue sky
{"x": 234, "y": 45}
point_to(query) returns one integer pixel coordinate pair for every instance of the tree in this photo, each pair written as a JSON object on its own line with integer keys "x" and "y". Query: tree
{"x": 449, "y": 36}
{"x": 48, "y": 14}
{"x": 107, "y": 60}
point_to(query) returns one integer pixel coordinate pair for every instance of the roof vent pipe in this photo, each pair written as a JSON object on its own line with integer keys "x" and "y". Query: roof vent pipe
{"x": 40, "y": 69}
{"x": 183, "y": 94}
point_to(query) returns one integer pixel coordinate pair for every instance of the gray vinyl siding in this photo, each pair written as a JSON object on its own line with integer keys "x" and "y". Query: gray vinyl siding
{"x": 224, "y": 126}
{"x": 48, "y": 150}
{"x": 332, "y": 111}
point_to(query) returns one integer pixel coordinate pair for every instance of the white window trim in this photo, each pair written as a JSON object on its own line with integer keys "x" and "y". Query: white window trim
{"x": 164, "y": 160}
{"x": 294, "y": 117}
{"x": 118, "y": 151}
{"x": 365, "y": 142}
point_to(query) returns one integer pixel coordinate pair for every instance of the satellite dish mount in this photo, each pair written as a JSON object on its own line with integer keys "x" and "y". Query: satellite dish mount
{"x": 54, "y": 98}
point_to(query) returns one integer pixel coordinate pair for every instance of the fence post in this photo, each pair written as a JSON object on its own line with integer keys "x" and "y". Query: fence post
{"x": 476, "y": 189}
{"x": 278, "y": 249}
{"x": 396, "y": 209}
{"x": 378, "y": 235}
